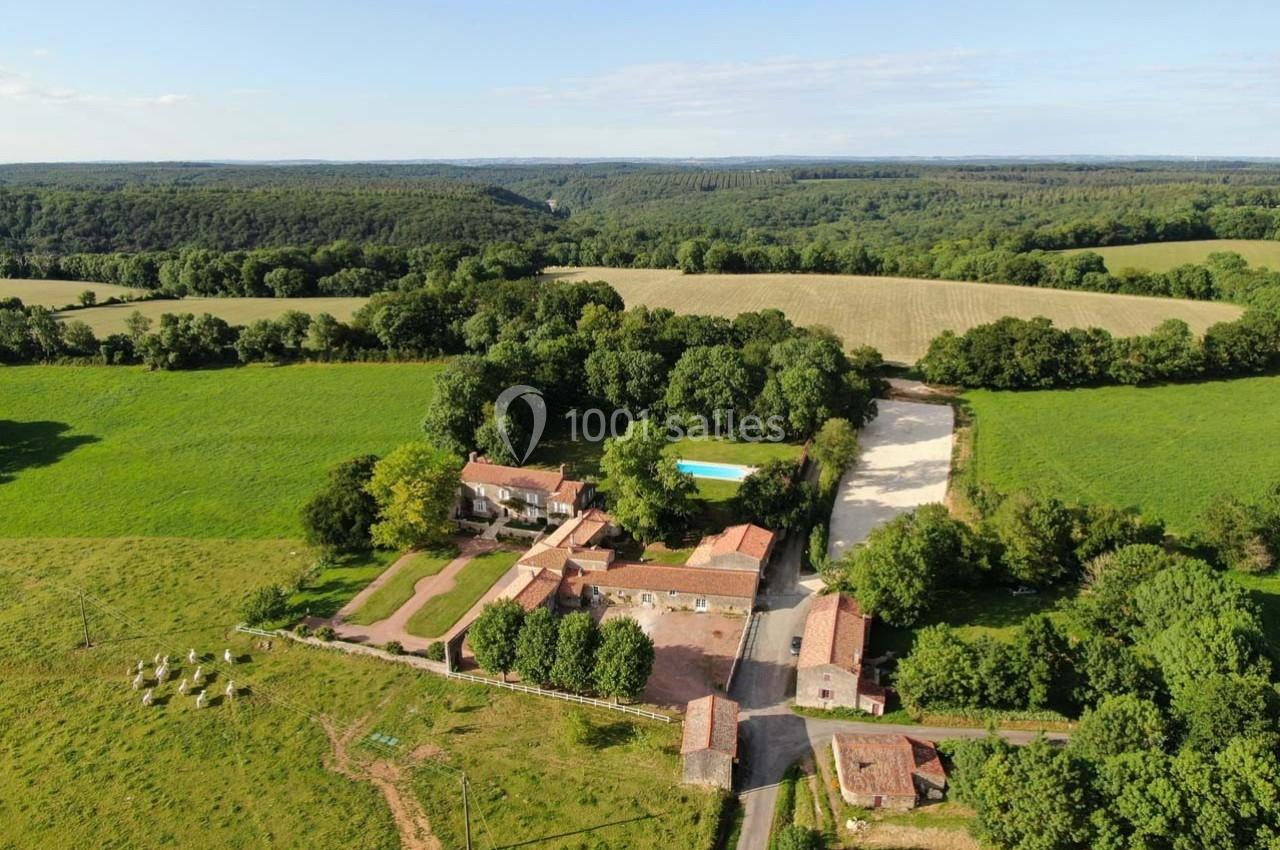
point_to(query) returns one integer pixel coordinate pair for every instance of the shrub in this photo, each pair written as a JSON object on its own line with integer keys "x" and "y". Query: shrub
{"x": 325, "y": 633}
{"x": 435, "y": 651}
{"x": 302, "y": 630}
{"x": 265, "y": 604}
{"x": 394, "y": 647}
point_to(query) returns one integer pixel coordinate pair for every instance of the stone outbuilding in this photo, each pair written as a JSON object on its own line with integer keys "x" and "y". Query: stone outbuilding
{"x": 830, "y": 672}
{"x": 887, "y": 771}
{"x": 710, "y": 746}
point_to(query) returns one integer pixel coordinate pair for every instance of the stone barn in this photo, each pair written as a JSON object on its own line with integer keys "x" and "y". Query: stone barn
{"x": 887, "y": 771}
{"x": 710, "y": 746}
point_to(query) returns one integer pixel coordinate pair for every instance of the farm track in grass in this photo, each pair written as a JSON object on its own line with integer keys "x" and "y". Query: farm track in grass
{"x": 898, "y": 316}
{"x": 112, "y": 451}
{"x": 1162, "y": 256}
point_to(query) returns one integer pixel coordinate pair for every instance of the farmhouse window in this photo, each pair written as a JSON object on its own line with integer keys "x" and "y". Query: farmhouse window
{"x": 504, "y": 494}
{"x": 672, "y": 593}
{"x": 700, "y": 605}
{"x": 826, "y": 693}
{"x": 646, "y": 598}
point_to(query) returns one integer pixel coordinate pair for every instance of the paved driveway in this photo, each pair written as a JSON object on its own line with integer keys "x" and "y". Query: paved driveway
{"x": 904, "y": 462}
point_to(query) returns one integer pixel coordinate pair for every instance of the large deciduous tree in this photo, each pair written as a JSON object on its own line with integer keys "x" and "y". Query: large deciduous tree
{"x": 495, "y": 634}
{"x": 536, "y": 647}
{"x": 415, "y": 487}
{"x": 575, "y": 653}
{"x": 624, "y": 659}
{"x": 649, "y": 495}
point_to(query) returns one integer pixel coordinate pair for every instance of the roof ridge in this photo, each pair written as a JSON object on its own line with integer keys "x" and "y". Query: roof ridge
{"x": 711, "y": 721}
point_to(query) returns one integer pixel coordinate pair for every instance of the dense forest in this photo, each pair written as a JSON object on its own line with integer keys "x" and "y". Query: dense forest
{"x": 989, "y": 222}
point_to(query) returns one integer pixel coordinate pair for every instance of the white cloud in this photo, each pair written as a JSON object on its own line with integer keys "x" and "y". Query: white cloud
{"x": 723, "y": 88}
{"x": 19, "y": 86}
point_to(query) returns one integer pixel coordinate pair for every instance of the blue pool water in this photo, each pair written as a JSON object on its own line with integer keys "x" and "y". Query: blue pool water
{"x": 718, "y": 471}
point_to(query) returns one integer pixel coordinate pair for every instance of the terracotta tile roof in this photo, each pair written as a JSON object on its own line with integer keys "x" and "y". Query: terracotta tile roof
{"x": 886, "y": 764}
{"x": 711, "y": 723}
{"x": 835, "y": 632}
{"x": 750, "y": 540}
{"x": 629, "y": 575}
{"x": 548, "y": 557}
{"x": 603, "y": 555}
{"x": 552, "y": 482}
{"x": 579, "y": 530}
{"x": 538, "y": 590}
{"x": 568, "y": 491}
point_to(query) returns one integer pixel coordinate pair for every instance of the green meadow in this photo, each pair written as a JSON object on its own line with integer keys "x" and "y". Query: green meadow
{"x": 165, "y": 499}
{"x": 1165, "y": 451}
{"x": 111, "y": 451}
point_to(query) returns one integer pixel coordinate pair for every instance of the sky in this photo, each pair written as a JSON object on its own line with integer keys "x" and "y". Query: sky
{"x": 454, "y": 80}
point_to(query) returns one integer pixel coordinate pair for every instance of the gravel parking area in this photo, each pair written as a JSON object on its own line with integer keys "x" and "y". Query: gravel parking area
{"x": 905, "y": 461}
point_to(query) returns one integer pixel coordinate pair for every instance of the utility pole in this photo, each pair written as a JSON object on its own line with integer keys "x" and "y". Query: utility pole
{"x": 466, "y": 812}
{"x": 84, "y": 621}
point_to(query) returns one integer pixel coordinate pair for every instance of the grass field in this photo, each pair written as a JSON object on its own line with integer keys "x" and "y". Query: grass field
{"x": 212, "y": 465}
{"x": 386, "y": 600}
{"x": 56, "y": 294}
{"x": 1162, "y": 256}
{"x": 897, "y": 316}
{"x": 435, "y": 617}
{"x": 85, "y": 765}
{"x": 110, "y": 319}
{"x": 1166, "y": 451}
{"x": 111, "y": 451}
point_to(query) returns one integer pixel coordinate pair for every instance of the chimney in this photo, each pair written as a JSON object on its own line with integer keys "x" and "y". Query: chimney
{"x": 472, "y": 457}
{"x": 564, "y": 469}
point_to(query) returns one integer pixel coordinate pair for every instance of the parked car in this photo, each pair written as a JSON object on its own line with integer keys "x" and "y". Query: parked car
{"x": 795, "y": 645}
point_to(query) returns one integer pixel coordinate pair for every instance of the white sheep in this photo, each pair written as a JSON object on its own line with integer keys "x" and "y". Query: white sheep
{"x": 201, "y": 700}
{"x": 184, "y": 688}
{"x": 162, "y": 674}
{"x": 147, "y": 698}
{"x": 191, "y": 656}
{"x": 197, "y": 678}
{"x": 138, "y": 681}
{"x": 228, "y": 657}
{"x": 231, "y": 689}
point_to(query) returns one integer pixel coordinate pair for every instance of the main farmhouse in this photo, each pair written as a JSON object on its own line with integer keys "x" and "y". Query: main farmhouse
{"x": 575, "y": 564}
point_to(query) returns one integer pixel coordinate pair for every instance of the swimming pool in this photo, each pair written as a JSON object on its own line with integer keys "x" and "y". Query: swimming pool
{"x": 718, "y": 471}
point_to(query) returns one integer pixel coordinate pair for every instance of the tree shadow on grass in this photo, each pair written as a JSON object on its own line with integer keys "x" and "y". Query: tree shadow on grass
{"x": 25, "y": 445}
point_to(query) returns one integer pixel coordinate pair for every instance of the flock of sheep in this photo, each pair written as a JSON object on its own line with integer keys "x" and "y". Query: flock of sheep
{"x": 139, "y": 678}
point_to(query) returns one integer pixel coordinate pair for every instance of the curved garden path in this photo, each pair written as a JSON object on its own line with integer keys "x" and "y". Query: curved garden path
{"x": 393, "y": 628}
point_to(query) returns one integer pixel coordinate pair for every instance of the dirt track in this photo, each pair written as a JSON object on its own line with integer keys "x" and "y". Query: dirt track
{"x": 388, "y": 777}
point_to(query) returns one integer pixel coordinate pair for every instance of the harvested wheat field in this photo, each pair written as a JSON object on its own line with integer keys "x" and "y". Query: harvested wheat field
{"x": 899, "y": 316}
{"x": 110, "y": 319}
{"x": 1162, "y": 256}
{"x": 56, "y": 294}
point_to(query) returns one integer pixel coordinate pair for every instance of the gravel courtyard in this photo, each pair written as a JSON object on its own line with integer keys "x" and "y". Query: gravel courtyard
{"x": 904, "y": 462}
